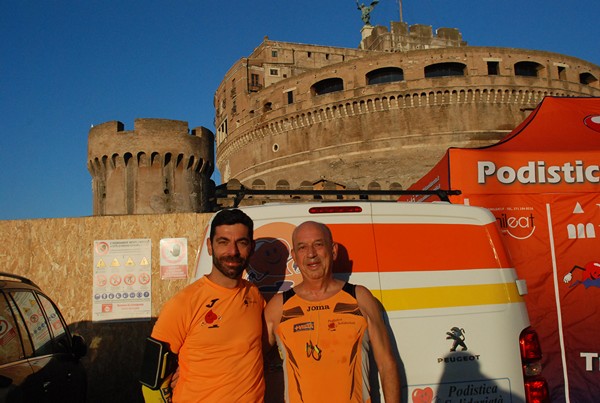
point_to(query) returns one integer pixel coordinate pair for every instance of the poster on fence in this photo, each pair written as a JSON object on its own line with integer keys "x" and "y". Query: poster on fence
{"x": 122, "y": 288}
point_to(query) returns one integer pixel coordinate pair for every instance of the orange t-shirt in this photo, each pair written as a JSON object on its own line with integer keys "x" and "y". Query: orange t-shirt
{"x": 217, "y": 334}
{"x": 324, "y": 345}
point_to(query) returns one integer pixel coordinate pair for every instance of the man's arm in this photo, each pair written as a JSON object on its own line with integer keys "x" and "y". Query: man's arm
{"x": 272, "y": 314}
{"x": 380, "y": 342}
{"x": 160, "y": 369}
{"x": 158, "y": 372}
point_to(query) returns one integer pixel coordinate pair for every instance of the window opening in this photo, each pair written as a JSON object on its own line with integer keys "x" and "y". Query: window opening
{"x": 282, "y": 185}
{"x": 374, "y": 186}
{"x": 587, "y": 78}
{"x": 562, "y": 73}
{"x": 327, "y": 86}
{"x": 527, "y": 69}
{"x": 306, "y": 185}
{"x": 493, "y": 68}
{"x": 254, "y": 82}
{"x": 258, "y": 184}
{"x": 445, "y": 70}
{"x": 385, "y": 75}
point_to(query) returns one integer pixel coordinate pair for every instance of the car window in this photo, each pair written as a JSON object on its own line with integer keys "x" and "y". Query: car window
{"x": 23, "y": 332}
{"x": 10, "y": 342}
{"x": 57, "y": 325}
{"x": 34, "y": 320}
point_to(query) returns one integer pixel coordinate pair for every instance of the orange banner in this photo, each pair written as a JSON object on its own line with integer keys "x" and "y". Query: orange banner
{"x": 553, "y": 242}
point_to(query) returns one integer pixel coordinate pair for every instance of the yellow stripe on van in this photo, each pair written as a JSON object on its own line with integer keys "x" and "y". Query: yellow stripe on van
{"x": 450, "y": 296}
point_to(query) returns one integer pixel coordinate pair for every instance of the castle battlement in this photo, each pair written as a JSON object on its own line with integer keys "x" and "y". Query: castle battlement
{"x": 159, "y": 166}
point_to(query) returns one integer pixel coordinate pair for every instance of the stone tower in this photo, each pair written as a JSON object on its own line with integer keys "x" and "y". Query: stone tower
{"x": 159, "y": 167}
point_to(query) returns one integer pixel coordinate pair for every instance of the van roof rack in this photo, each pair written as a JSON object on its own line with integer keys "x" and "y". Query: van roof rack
{"x": 241, "y": 191}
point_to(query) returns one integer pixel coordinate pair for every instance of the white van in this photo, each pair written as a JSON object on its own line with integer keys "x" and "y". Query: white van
{"x": 451, "y": 296}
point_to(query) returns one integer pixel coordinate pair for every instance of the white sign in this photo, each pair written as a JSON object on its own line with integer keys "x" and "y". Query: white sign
{"x": 173, "y": 258}
{"x": 122, "y": 280}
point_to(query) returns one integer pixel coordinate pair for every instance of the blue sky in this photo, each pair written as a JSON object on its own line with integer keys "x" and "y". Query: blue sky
{"x": 65, "y": 65}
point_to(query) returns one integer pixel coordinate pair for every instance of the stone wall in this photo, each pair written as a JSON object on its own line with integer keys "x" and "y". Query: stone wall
{"x": 57, "y": 254}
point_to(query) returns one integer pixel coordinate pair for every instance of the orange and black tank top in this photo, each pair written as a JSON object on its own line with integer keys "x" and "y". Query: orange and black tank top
{"x": 324, "y": 346}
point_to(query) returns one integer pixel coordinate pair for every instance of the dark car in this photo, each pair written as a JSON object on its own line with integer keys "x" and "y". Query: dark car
{"x": 39, "y": 358}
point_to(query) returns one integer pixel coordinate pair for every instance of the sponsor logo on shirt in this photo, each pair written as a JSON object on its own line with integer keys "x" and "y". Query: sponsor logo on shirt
{"x": 211, "y": 319}
{"x": 317, "y": 308}
{"x": 333, "y": 324}
{"x": 302, "y": 327}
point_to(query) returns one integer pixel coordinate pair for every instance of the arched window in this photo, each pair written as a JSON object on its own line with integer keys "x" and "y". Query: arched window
{"x": 155, "y": 158}
{"x": 167, "y": 160}
{"x": 385, "y": 75}
{"x": 258, "y": 184}
{"x": 374, "y": 186}
{"x": 587, "y": 78}
{"x": 142, "y": 159}
{"x": 527, "y": 69}
{"x": 445, "y": 69}
{"x": 306, "y": 185}
{"x": 328, "y": 85}
{"x": 191, "y": 162}
{"x": 282, "y": 185}
{"x": 395, "y": 186}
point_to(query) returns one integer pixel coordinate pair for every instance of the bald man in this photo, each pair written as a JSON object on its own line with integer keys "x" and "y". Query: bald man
{"x": 324, "y": 328}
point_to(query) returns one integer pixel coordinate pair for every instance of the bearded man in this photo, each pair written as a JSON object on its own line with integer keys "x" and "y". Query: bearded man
{"x": 214, "y": 325}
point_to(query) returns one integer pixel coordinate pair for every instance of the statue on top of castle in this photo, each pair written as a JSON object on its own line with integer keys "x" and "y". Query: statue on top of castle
{"x": 366, "y": 11}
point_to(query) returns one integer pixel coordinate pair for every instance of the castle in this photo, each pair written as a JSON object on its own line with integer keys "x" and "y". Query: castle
{"x": 298, "y": 116}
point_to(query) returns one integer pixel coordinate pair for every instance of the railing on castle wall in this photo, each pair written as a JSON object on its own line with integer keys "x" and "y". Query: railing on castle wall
{"x": 381, "y": 103}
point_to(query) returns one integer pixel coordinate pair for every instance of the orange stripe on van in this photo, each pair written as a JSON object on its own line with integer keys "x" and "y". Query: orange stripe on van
{"x": 449, "y": 296}
{"x": 427, "y": 247}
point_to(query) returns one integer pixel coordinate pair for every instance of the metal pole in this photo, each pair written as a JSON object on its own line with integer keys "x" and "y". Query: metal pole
{"x": 400, "y": 7}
